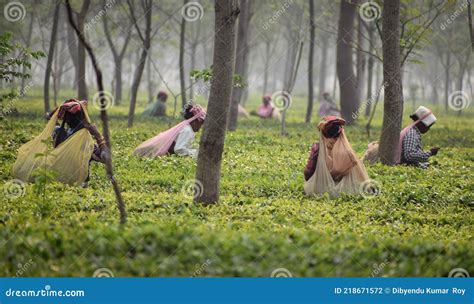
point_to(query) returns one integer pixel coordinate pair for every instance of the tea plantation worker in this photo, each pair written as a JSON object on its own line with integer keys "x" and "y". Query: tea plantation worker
{"x": 267, "y": 109}
{"x": 410, "y": 139}
{"x": 328, "y": 107}
{"x": 410, "y": 147}
{"x": 177, "y": 140}
{"x": 158, "y": 108}
{"x": 332, "y": 166}
{"x": 69, "y": 153}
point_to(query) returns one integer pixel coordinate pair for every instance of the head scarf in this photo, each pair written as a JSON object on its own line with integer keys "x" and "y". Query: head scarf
{"x": 340, "y": 157}
{"x": 160, "y": 144}
{"x": 338, "y": 169}
{"x": 72, "y": 106}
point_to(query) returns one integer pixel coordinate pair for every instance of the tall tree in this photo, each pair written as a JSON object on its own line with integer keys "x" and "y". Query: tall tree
{"x": 345, "y": 63}
{"x": 360, "y": 59}
{"x": 370, "y": 69}
{"x": 103, "y": 115}
{"x": 241, "y": 57}
{"x": 323, "y": 65}
{"x": 146, "y": 42}
{"x": 469, "y": 18}
{"x": 393, "y": 101}
{"x": 81, "y": 53}
{"x": 49, "y": 63}
{"x": 117, "y": 53}
{"x": 27, "y": 39}
{"x": 212, "y": 140}
{"x": 312, "y": 29}
{"x": 182, "y": 73}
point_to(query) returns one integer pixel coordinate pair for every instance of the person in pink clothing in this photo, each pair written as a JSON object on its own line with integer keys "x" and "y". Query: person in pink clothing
{"x": 177, "y": 140}
{"x": 267, "y": 109}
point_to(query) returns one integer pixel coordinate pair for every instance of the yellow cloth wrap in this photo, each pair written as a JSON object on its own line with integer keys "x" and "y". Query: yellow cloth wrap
{"x": 70, "y": 160}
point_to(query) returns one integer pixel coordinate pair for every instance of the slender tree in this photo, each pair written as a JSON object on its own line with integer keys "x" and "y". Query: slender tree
{"x": 49, "y": 63}
{"x": 182, "y": 73}
{"x": 212, "y": 140}
{"x": 242, "y": 50}
{"x": 393, "y": 102}
{"x": 345, "y": 63}
{"x": 312, "y": 29}
{"x": 146, "y": 42}
{"x": 323, "y": 65}
{"x": 118, "y": 55}
{"x": 81, "y": 53}
{"x": 103, "y": 115}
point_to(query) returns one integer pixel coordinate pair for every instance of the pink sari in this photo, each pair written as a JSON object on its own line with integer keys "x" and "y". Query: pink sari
{"x": 265, "y": 111}
{"x": 161, "y": 143}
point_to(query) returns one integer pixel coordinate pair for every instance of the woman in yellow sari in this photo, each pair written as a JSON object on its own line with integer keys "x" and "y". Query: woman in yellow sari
{"x": 333, "y": 166}
{"x": 65, "y": 149}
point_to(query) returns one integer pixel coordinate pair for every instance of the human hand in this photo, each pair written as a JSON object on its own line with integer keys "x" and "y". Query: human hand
{"x": 434, "y": 150}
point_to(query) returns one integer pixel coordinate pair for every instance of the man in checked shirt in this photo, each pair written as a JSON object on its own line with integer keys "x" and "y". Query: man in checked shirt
{"x": 412, "y": 146}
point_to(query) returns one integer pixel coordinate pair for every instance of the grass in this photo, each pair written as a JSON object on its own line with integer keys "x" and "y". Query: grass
{"x": 420, "y": 225}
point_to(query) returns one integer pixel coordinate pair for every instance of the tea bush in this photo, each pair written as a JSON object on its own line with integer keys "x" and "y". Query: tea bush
{"x": 421, "y": 223}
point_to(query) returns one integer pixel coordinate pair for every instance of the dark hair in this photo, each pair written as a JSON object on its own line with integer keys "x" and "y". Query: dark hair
{"x": 187, "y": 111}
{"x": 332, "y": 131}
{"x": 73, "y": 120}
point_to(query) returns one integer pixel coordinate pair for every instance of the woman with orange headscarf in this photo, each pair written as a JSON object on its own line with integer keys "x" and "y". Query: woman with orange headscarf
{"x": 333, "y": 166}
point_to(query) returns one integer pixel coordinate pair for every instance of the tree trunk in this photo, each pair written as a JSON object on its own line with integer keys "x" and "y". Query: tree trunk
{"x": 103, "y": 115}
{"x": 469, "y": 18}
{"x": 322, "y": 66}
{"x": 360, "y": 58}
{"x": 267, "y": 63}
{"x": 182, "y": 76}
{"x": 141, "y": 64}
{"x": 49, "y": 63}
{"x": 240, "y": 58}
{"x": 446, "y": 80}
{"x": 118, "y": 57}
{"x": 81, "y": 53}
{"x": 212, "y": 140}
{"x": 118, "y": 80}
{"x": 149, "y": 79}
{"x": 345, "y": 64}
{"x": 72, "y": 47}
{"x": 370, "y": 71}
{"x": 309, "y": 108}
{"x": 393, "y": 101}
{"x": 28, "y": 42}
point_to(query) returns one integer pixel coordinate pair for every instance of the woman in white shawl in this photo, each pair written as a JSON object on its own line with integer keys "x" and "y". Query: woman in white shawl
{"x": 333, "y": 166}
